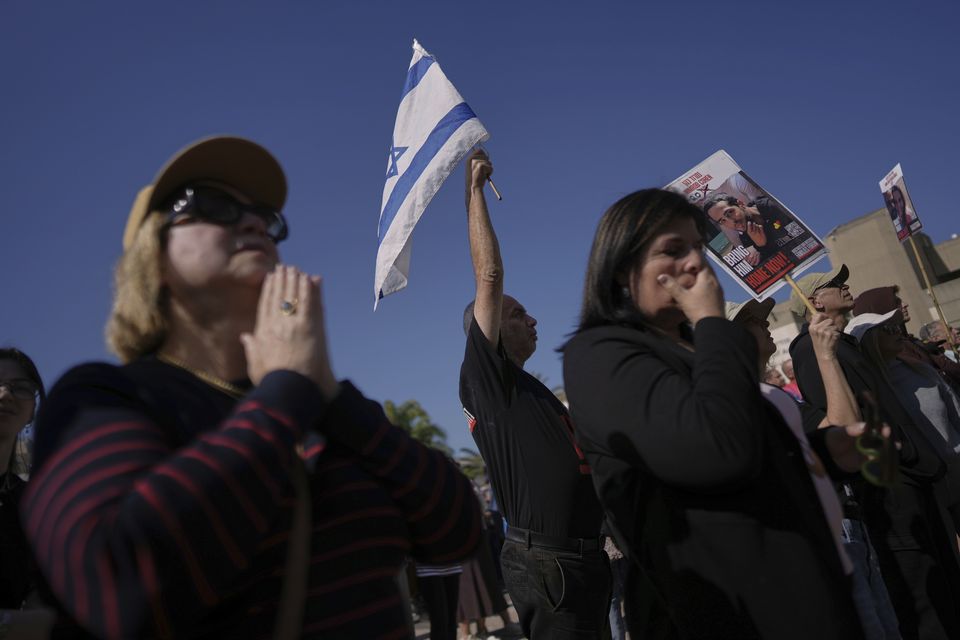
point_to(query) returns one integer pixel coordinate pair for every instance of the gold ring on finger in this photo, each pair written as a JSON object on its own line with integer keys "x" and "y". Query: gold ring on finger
{"x": 289, "y": 307}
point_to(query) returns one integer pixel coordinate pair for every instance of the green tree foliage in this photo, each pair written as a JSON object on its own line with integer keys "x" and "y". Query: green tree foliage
{"x": 414, "y": 419}
{"x": 471, "y": 464}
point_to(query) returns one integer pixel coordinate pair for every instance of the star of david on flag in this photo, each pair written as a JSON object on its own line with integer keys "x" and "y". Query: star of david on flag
{"x": 395, "y": 153}
{"x": 434, "y": 129}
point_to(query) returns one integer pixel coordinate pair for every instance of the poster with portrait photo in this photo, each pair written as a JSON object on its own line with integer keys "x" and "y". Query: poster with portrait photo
{"x": 902, "y": 214}
{"x": 750, "y": 234}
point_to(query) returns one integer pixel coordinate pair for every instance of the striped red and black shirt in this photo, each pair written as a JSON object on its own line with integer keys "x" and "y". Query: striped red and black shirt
{"x": 160, "y": 506}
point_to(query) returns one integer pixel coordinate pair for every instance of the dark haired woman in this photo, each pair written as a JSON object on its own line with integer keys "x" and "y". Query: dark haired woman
{"x": 704, "y": 485}
{"x": 222, "y": 483}
{"x": 20, "y": 390}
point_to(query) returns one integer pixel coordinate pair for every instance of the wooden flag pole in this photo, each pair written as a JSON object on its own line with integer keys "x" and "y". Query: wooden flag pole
{"x": 494, "y": 187}
{"x": 796, "y": 289}
{"x": 936, "y": 303}
{"x": 496, "y": 191}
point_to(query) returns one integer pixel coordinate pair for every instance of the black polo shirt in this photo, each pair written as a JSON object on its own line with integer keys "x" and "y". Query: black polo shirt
{"x": 539, "y": 475}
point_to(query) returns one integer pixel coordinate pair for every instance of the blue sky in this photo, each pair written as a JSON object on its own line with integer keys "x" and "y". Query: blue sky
{"x": 585, "y": 102}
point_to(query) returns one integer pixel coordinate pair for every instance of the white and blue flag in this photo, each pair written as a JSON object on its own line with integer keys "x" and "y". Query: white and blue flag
{"x": 435, "y": 128}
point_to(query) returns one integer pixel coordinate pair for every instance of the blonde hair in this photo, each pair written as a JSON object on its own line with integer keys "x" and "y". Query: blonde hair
{"x": 138, "y": 323}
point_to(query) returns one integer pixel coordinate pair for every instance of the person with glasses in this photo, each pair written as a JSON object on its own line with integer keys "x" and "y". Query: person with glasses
{"x": 906, "y": 526}
{"x": 760, "y": 224}
{"x": 21, "y": 390}
{"x": 941, "y": 338}
{"x": 222, "y": 482}
{"x": 706, "y": 490}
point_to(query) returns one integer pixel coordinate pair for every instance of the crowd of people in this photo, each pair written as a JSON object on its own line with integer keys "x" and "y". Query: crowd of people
{"x": 222, "y": 481}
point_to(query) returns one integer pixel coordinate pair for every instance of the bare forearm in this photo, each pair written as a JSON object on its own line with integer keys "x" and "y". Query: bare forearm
{"x": 484, "y": 247}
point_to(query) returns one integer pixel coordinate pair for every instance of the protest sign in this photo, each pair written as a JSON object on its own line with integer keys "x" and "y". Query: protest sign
{"x": 750, "y": 234}
{"x": 904, "y": 218}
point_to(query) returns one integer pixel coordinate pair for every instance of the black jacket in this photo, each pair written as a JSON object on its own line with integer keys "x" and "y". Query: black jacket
{"x": 706, "y": 488}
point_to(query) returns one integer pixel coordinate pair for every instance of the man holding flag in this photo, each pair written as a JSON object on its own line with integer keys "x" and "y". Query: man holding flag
{"x": 553, "y": 561}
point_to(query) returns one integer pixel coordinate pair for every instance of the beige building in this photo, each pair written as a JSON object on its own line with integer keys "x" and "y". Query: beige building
{"x": 870, "y": 249}
{"x": 949, "y": 251}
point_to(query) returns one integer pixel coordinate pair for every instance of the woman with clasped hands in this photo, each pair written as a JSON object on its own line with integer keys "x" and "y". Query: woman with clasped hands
{"x": 704, "y": 485}
{"x": 222, "y": 483}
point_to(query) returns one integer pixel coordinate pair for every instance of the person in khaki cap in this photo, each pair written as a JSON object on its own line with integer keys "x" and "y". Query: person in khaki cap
{"x": 221, "y": 482}
{"x": 907, "y": 524}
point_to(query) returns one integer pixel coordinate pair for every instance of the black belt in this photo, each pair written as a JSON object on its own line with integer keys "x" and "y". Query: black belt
{"x": 534, "y": 539}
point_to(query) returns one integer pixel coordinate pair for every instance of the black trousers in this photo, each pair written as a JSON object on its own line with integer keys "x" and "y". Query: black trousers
{"x": 558, "y": 594}
{"x": 440, "y": 594}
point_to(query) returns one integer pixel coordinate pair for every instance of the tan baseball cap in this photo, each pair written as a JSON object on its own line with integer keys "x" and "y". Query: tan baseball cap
{"x": 761, "y": 310}
{"x": 237, "y": 162}
{"x": 813, "y": 281}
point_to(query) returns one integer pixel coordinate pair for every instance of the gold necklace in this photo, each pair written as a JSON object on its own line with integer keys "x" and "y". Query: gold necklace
{"x": 231, "y": 390}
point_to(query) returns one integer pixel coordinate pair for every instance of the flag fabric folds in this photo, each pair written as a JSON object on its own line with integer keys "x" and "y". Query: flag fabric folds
{"x": 434, "y": 129}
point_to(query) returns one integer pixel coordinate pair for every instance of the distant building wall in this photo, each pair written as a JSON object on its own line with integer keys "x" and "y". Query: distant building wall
{"x": 870, "y": 249}
{"x": 949, "y": 251}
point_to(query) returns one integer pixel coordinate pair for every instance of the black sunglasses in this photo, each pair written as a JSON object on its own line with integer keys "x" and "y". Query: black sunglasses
{"x": 20, "y": 389}
{"x": 832, "y": 285}
{"x": 208, "y": 204}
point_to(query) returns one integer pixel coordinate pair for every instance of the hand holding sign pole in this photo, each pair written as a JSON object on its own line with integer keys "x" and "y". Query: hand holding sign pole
{"x": 799, "y": 292}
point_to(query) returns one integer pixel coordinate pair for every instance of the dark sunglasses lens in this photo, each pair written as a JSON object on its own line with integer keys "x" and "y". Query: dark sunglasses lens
{"x": 216, "y": 207}
{"x": 20, "y": 390}
{"x": 276, "y": 225}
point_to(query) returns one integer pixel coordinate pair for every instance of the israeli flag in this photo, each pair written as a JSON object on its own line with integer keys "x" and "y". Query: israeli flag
{"x": 434, "y": 129}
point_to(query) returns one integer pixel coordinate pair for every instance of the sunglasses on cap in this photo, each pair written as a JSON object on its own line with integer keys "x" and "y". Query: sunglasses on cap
{"x": 207, "y": 204}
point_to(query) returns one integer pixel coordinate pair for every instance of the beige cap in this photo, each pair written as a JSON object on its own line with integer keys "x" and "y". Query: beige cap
{"x": 813, "y": 281}
{"x": 761, "y": 310}
{"x": 237, "y": 162}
